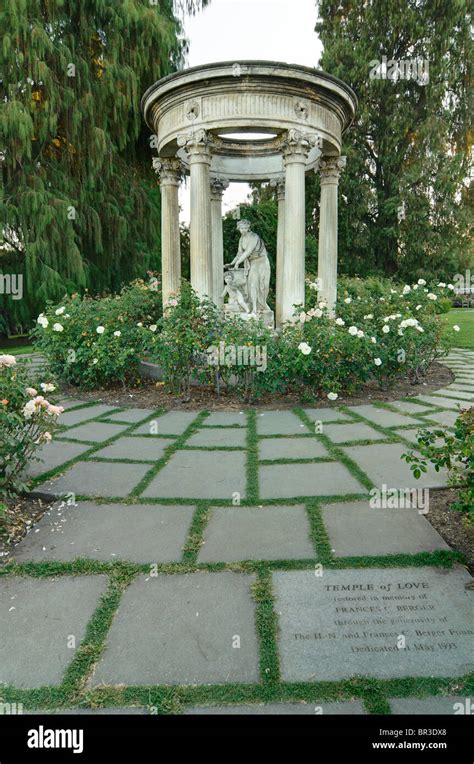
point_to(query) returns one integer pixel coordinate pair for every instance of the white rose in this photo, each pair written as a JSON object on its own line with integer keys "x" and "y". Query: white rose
{"x": 60, "y": 311}
{"x": 58, "y": 328}
{"x": 360, "y": 333}
{"x": 450, "y": 286}
{"x": 353, "y": 330}
{"x": 305, "y": 348}
{"x": 153, "y": 328}
{"x": 378, "y": 361}
{"x": 432, "y": 296}
{"x": 47, "y": 387}
{"x": 442, "y": 284}
{"x": 386, "y": 329}
{"x": 340, "y": 322}
{"x": 406, "y": 289}
{"x": 347, "y": 300}
{"x": 421, "y": 282}
{"x": 117, "y": 333}
{"x": 456, "y": 328}
{"x": 368, "y": 316}
{"x": 332, "y": 396}
{"x": 372, "y": 339}
{"x": 42, "y": 321}
{"x": 100, "y": 329}
{"x": 94, "y": 361}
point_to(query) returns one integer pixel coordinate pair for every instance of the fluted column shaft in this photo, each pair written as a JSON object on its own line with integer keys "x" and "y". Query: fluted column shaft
{"x": 295, "y": 152}
{"x": 198, "y": 149}
{"x": 330, "y": 169}
{"x": 169, "y": 170}
{"x": 218, "y": 187}
{"x": 280, "y": 192}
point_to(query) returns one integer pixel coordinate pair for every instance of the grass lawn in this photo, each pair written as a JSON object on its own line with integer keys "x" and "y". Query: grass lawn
{"x": 464, "y": 318}
{"x": 18, "y": 350}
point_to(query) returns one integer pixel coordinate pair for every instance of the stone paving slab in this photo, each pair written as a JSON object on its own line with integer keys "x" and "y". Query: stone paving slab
{"x": 183, "y": 629}
{"x": 383, "y": 417}
{"x": 222, "y": 418}
{"x": 465, "y": 388}
{"x": 53, "y": 455}
{"x": 200, "y": 475}
{"x": 291, "y": 448}
{"x": 410, "y": 408}
{"x": 340, "y": 433}
{"x": 96, "y": 479}
{"x": 131, "y": 415}
{"x": 357, "y": 530}
{"x": 93, "y": 431}
{"x": 257, "y": 533}
{"x": 139, "y": 533}
{"x": 382, "y": 463}
{"x": 327, "y": 415}
{"x": 221, "y": 436}
{"x": 70, "y": 418}
{"x": 446, "y": 706}
{"x": 279, "y": 423}
{"x": 70, "y": 403}
{"x": 140, "y": 449}
{"x": 443, "y": 419}
{"x": 440, "y": 401}
{"x": 37, "y": 616}
{"x": 284, "y": 481}
{"x": 172, "y": 423}
{"x": 349, "y": 622}
{"x": 353, "y": 707}
{"x": 448, "y": 392}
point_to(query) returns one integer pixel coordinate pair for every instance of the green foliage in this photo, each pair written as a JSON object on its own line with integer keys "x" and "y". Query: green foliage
{"x": 456, "y": 453}
{"x": 91, "y": 342}
{"x": 27, "y": 421}
{"x": 382, "y": 331}
{"x": 404, "y": 198}
{"x": 187, "y": 329}
{"x": 81, "y": 203}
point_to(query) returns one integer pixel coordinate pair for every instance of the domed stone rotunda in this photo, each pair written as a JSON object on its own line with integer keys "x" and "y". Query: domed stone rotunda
{"x": 243, "y": 122}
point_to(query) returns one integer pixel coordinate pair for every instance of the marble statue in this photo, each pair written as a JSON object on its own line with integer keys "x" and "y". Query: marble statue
{"x": 247, "y": 288}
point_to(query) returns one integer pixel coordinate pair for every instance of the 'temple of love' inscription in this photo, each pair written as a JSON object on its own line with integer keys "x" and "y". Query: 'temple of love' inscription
{"x": 386, "y": 622}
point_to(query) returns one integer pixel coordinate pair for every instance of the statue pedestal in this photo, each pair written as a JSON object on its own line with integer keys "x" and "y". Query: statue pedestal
{"x": 267, "y": 316}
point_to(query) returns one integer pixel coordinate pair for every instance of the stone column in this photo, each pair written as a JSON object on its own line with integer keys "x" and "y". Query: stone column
{"x": 279, "y": 184}
{"x": 169, "y": 170}
{"x": 330, "y": 169}
{"x": 197, "y": 146}
{"x": 218, "y": 186}
{"x": 296, "y": 148}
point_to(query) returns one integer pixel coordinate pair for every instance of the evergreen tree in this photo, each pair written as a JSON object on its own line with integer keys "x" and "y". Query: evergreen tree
{"x": 81, "y": 202}
{"x": 404, "y": 196}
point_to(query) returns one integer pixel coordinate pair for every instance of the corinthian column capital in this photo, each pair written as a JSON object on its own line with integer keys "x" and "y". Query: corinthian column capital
{"x": 296, "y": 145}
{"x": 197, "y": 144}
{"x": 330, "y": 168}
{"x": 218, "y": 186}
{"x": 169, "y": 169}
{"x": 279, "y": 185}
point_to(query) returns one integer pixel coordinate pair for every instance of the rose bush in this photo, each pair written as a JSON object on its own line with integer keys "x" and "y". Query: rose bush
{"x": 455, "y": 451}
{"x": 97, "y": 342}
{"x": 381, "y": 331}
{"x": 27, "y": 421}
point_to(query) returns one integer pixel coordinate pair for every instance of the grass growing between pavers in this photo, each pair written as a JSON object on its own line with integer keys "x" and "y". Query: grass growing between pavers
{"x": 374, "y": 693}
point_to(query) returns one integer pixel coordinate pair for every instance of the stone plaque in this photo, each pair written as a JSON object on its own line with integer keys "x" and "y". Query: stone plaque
{"x": 392, "y": 622}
